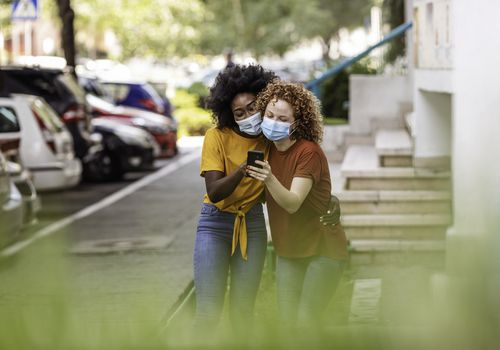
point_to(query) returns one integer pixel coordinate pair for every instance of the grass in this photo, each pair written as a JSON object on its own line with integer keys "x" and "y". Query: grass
{"x": 335, "y": 121}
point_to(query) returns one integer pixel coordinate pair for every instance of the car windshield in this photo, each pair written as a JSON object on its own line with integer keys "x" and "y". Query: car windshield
{"x": 8, "y": 120}
{"x": 156, "y": 97}
{"x": 118, "y": 92}
{"x": 48, "y": 116}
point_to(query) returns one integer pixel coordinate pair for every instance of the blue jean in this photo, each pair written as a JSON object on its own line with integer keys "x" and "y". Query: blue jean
{"x": 213, "y": 260}
{"x": 305, "y": 286}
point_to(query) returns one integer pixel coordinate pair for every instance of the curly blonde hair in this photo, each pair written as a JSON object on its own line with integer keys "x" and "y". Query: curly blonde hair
{"x": 306, "y": 108}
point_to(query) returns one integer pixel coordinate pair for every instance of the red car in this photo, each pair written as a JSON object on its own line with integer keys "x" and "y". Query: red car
{"x": 164, "y": 130}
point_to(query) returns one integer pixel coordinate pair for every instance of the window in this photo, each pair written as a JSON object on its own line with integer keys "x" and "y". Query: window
{"x": 47, "y": 116}
{"x": 8, "y": 120}
{"x": 118, "y": 92}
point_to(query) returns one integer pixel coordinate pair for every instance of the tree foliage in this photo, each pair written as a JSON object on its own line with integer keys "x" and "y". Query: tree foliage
{"x": 167, "y": 28}
{"x": 256, "y": 26}
{"x": 334, "y": 15}
{"x": 159, "y": 28}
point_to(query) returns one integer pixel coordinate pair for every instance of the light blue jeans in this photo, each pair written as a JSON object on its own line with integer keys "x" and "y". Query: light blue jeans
{"x": 305, "y": 287}
{"x": 213, "y": 260}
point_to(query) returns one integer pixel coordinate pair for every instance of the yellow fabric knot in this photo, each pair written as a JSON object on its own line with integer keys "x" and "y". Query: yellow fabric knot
{"x": 240, "y": 234}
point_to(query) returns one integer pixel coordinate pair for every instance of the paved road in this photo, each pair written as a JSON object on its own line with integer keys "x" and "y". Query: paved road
{"x": 99, "y": 267}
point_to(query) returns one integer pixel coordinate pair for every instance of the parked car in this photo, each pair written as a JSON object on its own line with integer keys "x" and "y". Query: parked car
{"x": 163, "y": 130}
{"x": 46, "y": 145}
{"x": 60, "y": 90}
{"x": 10, "y": 137}
{"x": 127, "y": 149}
{"x": 129, "y": 93}
{"x": 11, "y": 210}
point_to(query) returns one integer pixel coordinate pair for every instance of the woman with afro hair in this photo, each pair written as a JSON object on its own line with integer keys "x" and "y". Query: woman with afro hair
{"x": 231, "y": 233}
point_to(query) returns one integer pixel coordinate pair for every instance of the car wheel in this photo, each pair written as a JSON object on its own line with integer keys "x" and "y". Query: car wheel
{"x": 107, "y": 166}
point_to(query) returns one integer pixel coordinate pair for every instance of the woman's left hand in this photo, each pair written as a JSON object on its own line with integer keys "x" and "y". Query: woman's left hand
{"x": 263, "y": 174}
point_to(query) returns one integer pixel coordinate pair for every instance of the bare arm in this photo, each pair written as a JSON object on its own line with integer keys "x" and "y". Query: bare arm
{"x": 290, "y": 200}
{"x": 219, "y": 186}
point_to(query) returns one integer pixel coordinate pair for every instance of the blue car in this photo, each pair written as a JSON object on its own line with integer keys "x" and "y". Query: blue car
{"x": 137, "y": 94}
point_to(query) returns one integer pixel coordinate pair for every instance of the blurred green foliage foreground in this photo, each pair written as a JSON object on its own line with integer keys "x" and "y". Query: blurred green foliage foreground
{"x": 50, "y": 299}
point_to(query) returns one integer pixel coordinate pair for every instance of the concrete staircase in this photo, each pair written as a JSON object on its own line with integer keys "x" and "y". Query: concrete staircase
{"x": 387, "y": 204}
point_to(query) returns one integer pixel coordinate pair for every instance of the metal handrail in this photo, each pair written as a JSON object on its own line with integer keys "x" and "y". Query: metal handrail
{"x": 396, "y": 32}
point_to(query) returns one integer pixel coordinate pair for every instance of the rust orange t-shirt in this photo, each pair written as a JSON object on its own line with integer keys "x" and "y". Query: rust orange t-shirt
{"x": 301, "y": 234}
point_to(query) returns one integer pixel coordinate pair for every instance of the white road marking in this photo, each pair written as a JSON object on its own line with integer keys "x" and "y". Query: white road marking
{"x": 105, "y": 202}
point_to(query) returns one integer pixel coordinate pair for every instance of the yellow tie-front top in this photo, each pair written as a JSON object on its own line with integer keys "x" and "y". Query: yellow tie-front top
{"x": 224, "y": 150}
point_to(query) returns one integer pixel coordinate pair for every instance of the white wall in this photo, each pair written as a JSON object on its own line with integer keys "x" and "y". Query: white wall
{"x": 476, "y": 109}
{"x": 433, "y": 125}
{"x": 432, "y": 33}
{"x": 376, "y": 97}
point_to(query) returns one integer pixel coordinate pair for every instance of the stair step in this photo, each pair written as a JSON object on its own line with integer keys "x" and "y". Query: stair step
{"x": 395, "y": 245}
{"x": 394, "y": 148}
{"x": 396, "y": 161}
{"x": 433, "y": 232}
{"x": 396, "y": 207}
{"x": 358, "y": 158}
{"x": 356, "y": 139}
{"x": 394, "y": 202}
{"x": 362, "y": 161}
{"x": 387, "y": 220}
{"x": 361, "y": 196}
{"x": 362, "y": 172}
{"x": 393, "y": 143}
{"x": 388, "y": 183}
{"x": 396, "y": 226}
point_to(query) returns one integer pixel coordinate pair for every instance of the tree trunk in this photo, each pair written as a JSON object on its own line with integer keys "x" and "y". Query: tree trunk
{"x": 67, "y": 16}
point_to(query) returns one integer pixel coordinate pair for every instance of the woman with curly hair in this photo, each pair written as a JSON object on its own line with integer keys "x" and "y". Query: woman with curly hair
{"x": 297, "y": 182}
{"x": 231, "y": 233}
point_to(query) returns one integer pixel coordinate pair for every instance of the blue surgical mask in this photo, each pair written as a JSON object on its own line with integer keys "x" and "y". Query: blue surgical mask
{"x": 250, "y": 125}
{"x": 275, "y": 130}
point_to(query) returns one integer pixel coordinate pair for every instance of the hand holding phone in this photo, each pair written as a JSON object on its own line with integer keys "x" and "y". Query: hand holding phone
{"x": 252, "y": 156}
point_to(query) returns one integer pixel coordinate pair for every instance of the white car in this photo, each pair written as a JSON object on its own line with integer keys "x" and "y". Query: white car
{"x": 46, "y": 145}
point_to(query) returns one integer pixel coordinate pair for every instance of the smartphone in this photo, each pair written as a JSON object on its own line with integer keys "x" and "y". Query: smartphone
{"x": 252, "y": 156}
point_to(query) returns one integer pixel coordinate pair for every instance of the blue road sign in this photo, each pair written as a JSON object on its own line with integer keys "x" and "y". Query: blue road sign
{"x": 25, "y": 10}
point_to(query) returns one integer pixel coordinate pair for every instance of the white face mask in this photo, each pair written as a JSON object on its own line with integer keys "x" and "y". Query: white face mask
{"x": 250, "y": 125}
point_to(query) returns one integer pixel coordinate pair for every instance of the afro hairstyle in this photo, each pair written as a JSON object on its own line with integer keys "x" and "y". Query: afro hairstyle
{"x": 231, "y": 82}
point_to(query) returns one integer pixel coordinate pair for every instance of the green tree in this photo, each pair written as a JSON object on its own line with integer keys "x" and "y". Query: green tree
{"x": 158, "y": 28}
{"x": 256, "y": 26}
{"x": 331, "y": 16}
